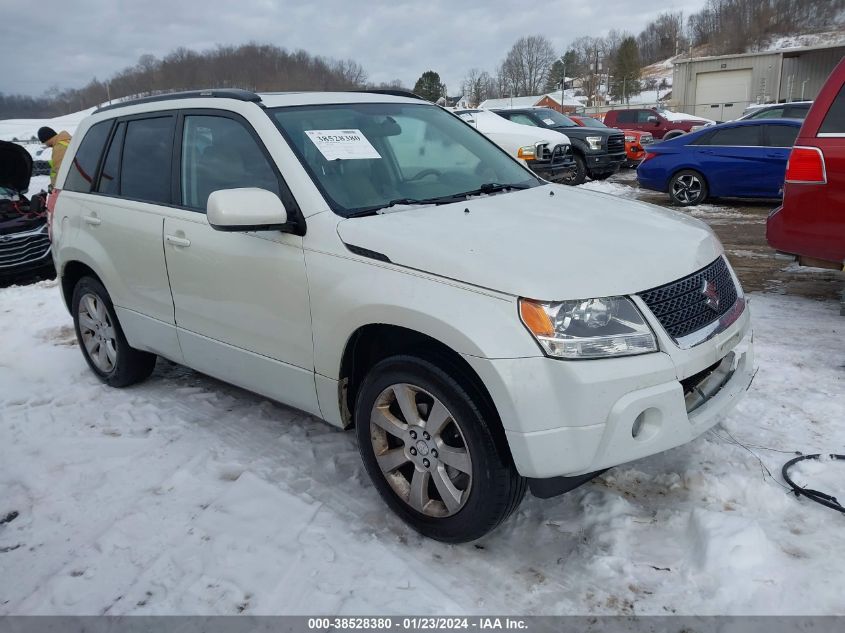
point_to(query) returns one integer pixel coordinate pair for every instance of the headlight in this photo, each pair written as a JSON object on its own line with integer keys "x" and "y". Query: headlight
{"x": 588, "y": 328}
{"x": 594, "y": 142}
{"x": 630, "y": 138}
{"x": 526, "y": 153}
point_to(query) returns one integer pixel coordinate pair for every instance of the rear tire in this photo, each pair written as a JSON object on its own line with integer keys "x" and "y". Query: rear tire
{"x": 687, "y": 188}
{"x": 101, "y": 338}
{"x": 430, "y": 451}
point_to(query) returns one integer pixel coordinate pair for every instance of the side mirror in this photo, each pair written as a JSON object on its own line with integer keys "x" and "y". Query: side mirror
{"x": 654, "y": 119}
{"x": 247, "y": 209}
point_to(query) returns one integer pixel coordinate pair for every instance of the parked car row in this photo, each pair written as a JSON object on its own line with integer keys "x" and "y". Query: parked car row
{"x": 547, "y": 152}
{"x": 598, "y": 152}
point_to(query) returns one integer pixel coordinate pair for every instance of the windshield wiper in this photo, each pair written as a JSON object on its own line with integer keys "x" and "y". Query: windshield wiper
{"x": 489, "y": 187}
{"x": 393, "y": 203}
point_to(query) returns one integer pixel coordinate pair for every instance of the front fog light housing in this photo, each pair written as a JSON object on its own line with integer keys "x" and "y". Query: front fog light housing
{"x": 588, "y": 328}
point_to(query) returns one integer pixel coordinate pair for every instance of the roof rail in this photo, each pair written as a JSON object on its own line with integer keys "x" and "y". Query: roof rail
{"x": 393, "y": 92}
{"x": 218, "y": 93}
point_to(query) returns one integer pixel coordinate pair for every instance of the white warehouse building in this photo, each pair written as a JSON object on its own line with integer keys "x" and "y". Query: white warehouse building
{"x": 721, "y": 87}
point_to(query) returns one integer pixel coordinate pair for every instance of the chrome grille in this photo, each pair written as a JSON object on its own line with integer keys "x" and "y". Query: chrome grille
{"x": 21, "y": 248}
{"x": 682, "y": 307}
{"x": 616, "y": 143}
{"x": 646, "y": 139}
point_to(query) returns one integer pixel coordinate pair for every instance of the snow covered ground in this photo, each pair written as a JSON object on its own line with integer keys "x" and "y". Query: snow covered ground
{"x": 185, "y": 495}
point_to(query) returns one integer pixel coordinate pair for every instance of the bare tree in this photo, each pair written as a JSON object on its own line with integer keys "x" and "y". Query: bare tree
{"x": 526, "y": 66}
{"x": 477, "y": 86}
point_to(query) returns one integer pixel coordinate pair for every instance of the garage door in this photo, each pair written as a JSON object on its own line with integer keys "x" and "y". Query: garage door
{"x": 722, "y": 95}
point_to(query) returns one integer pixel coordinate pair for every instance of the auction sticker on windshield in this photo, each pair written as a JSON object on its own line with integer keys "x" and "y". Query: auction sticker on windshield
{"x": 342, "y": 144}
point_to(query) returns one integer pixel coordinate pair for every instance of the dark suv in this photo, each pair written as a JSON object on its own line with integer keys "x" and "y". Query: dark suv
{"x": 24, "y": 242}
{"x": 598, "y": 152}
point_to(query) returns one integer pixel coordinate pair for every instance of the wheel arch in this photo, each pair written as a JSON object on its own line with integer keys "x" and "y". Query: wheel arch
{"x": 70, "y": 275}
{"x": 371, "y": 343}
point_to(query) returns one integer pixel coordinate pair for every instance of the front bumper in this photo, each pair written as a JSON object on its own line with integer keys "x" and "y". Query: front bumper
{"x": 569, "y": 418}
{"x": 556, "y": 166}
{"x": 25, "y": 253}
{"x": 603, "y": 163}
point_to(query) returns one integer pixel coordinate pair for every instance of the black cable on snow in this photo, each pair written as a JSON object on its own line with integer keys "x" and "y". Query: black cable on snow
{"x": 814, "y": 495}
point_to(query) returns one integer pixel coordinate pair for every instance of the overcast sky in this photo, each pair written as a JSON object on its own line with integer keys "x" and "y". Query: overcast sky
{"x": 66, "y": 43}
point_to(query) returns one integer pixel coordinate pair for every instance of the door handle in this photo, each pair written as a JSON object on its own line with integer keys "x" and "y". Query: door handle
{"x": 177, "y": 241}
{"x": 93, "y": 220}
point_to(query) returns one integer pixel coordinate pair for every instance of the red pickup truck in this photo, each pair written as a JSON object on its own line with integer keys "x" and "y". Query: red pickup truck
{"x": 811, "y": 222}
{"x": 661, "y": 123}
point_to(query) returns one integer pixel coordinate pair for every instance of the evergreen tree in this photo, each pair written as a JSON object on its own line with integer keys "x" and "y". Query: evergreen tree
{"x": 567, "y": 66}
{"x": 429, "y": 87}
{"x": 625, "y": 70}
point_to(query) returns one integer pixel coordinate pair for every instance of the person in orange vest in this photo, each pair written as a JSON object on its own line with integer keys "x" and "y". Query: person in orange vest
{"x": 59, "y": 142}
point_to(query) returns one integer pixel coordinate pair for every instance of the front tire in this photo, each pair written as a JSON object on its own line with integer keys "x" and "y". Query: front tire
{"x": 430, "y": 451}
{"x": 578, "y": 174}
{"x": 101, "y": 338}
{"x": 687, "y": 188}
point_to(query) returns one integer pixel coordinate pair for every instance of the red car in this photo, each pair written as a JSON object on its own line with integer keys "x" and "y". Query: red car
{"x": 810, "y": 224}
{"x": 661, "y": 123}
{"x": 635, "y": 140}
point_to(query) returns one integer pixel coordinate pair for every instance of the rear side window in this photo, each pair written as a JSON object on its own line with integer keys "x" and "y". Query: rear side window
{"x": 768, "y": 113}
{"x": 834, "y": 122}
{"x": 796, "y": 111}
{"x": 220, "y": 153}
{"x": 627, "y": 116}
{"x": 743, "y": 136}
{"x": 110, "y": 176}
{"x": 82, "y": 171}
{"x": 781, "y": 135}
{"x": 146, "y": 160}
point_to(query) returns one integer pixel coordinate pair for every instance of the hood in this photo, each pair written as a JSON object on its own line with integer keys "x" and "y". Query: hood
{"x": 683, "y": 117}
{"x": 575, "y": 244}
{"x": 15, "y": 166}
{"x": 512, "y": 134}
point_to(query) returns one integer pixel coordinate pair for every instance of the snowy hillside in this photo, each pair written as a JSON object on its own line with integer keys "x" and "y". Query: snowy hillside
{"x": 827, "y": 38}
{"x": 25, "y": 129}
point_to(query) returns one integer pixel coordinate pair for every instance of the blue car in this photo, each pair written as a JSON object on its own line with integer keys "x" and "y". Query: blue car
{"x": 741, "y": 159}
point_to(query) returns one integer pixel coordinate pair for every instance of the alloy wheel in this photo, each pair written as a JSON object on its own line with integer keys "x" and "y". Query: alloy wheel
{"x": 97, "y": 330}
{"x": 421, "y": 450}
{"x": 687, "y": 189}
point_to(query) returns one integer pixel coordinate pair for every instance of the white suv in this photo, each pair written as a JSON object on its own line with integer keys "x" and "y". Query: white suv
{"x": 375, "y": 261}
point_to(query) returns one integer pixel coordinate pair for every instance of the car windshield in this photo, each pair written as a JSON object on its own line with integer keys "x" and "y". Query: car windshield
{"x": 556, "y": 118}
{"x": 370, "y": 156}
{"x": 591, "y": 122}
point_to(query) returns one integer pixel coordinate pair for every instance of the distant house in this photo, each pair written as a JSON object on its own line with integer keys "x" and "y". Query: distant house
{"x": 565, "y": 102}
{"x": 553, "y": 100}
{"x": 463, "y": 103}
{"x": 510, "y": 102}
